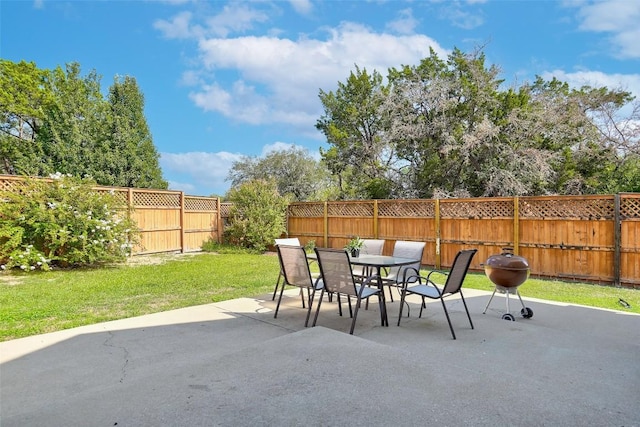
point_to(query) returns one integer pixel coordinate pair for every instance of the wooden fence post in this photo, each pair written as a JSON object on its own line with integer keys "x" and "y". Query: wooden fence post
{"x": 219, "y": 225}
{"x": 617, "y": 239}
{"x": 325, "y": 238}
{"x": 182, "y": 231}
{"x": 375, "y": 219}
{"x": 516, "y": 225}
{"x": 437, "y": 226}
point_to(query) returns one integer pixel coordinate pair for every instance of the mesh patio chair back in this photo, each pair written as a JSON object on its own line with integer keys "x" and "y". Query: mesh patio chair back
{"x": 369, "y": 247}
{"x": 295, "y": 272}
{"x": 293, "y": 241}
{"x": 458, "y": 271}
{"x": 336, "y": 272}
{"x": 406, "y": 249}
{"x": 452, "y": 286}
{"x": 294, "y": 265}
{"x": 372, "y": 247}
{"x": 337, "y": 277}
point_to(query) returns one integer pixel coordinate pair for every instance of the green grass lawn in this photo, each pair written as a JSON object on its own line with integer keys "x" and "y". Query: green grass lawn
{"x": 35, "y": 303}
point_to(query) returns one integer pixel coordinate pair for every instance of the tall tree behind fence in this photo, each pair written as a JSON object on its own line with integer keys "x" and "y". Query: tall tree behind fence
{"x": 591, "y": 238}
{"x": 169, "y": 221}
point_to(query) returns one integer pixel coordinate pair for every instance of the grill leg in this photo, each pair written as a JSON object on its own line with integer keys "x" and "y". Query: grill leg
{"x": 490, "y": 299}
{"x": 521, "y": 302}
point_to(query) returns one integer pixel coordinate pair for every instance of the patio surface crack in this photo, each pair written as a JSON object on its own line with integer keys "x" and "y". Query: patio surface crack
{"x": 123, "y": 369}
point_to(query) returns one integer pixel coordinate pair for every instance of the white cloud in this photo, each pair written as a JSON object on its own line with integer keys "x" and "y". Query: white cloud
{"x": 620, "y": 18}
{"x": 234, "y": 17}
{"x": 207, "y": 170}
{"x": 277, "y": 146}
{"x": 179, "y": 27}
{"x": 627, "y": 82}
{"x": 404, "y": 24}
{"x": 303, "y": 7}
{"x": 279, "y": 79}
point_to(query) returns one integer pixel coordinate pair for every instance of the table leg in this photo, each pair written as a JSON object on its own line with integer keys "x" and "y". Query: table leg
{"x": 385, "y": 321}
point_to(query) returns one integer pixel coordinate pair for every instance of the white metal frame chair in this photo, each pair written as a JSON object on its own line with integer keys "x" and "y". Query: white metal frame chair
{"x": 369, "y": 247}
{"x": 403, "y": 249}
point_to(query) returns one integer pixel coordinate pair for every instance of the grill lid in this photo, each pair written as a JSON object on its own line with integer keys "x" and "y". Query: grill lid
{"x": 507, "y": 261}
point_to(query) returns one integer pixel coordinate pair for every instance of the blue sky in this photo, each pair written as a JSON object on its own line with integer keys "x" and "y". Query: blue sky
{"x": 223, "y": 79}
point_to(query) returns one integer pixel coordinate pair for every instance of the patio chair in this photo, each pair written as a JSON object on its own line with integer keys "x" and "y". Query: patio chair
{"x": 337, "y": 277}
{"x": 295, "y": 272}
{"x": 369, "y": 247}
{"x": 294, "y": 241}
{"x": 452, "y": 286}
{"x": 403, "y": 249}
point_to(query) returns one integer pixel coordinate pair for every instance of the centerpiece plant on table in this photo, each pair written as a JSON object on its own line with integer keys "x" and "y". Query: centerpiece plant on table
{"x": 354, "y": 245}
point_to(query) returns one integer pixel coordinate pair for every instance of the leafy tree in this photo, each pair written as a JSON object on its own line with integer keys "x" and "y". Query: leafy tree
{"x": 258, "y": 214}
{"x": 297, "y": 175}
{"x": 73, "y": 122}
{"x": 354, "y": 127}
{"x": 129, "y": 158}
{"x": 58, "y": 121}
{"x": 24, "y": 95}
{"x": 446, "y": 128}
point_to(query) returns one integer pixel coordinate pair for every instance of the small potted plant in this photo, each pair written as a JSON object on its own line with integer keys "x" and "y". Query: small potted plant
{"x": 354, "y": 245}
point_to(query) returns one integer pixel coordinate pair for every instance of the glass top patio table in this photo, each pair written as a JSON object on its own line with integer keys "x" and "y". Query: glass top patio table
{"x": 378, "y": 262}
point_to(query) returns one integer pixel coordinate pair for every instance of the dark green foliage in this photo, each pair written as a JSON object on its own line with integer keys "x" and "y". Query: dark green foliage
{"x": 57, "y": 121}
{"x": 258, "y": 215}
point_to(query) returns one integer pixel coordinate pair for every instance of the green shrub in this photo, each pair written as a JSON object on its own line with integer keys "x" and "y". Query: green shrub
{"x": 62, "y": 223}
{"x": 257, "y": 216}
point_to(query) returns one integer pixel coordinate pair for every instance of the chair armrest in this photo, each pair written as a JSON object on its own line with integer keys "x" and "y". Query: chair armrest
{"x": 366, "y": 282}
{"x": 411, "y": 273}
{"x": 444, "y": 273}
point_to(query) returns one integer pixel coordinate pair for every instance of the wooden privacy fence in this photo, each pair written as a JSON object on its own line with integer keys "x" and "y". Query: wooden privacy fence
{"x": 591, "y": 238}
{"x": 168, "y": 221}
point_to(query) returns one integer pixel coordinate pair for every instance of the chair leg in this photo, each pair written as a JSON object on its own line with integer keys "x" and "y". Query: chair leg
{"x": 279, "y": 300}
{"x": 275, "y": 289}
{"x": 355, "y": 316}
{"x": 466, "y": 309}
{"x": 339, "y": 305}
{"x": 403, "y": 295}
{"x": 448, "y": 319}
{"x": 315, "y": 318}
{"x": 423, "y": 304}
{"x": 311, "y": 297}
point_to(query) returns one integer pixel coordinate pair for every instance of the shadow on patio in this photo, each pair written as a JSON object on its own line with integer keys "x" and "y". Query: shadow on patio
{"x": 232, "y": 363}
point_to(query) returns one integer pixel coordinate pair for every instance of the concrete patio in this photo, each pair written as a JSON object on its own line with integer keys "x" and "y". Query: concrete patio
{"x": 232, "y": 364}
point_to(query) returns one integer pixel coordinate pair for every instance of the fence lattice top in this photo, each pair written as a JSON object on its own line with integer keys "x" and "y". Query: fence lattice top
{"x": 630, "y": 207}
{"x": 407, "y": 209}
{"x": 592, "y": 209}
{"x": 307, "y": 210}
{"x": 200, "y": 204}
{"x": 487, "y": 208}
